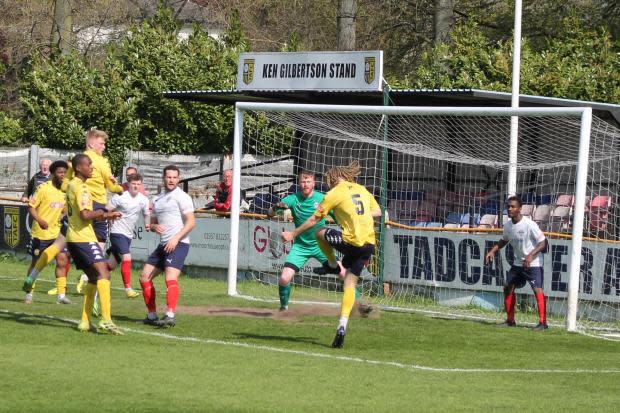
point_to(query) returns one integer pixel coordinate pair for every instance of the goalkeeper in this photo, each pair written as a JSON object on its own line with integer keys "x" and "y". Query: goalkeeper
{"x": 302, "y": 204}
{"x": 354, "y": 208}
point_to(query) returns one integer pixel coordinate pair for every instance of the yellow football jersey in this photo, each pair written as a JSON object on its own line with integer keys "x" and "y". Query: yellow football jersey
{"x": 100, "y": 181}
{"x": 49, "y": 202}
{"x": 352, "y": 204}
{"x": 78, "y": 199}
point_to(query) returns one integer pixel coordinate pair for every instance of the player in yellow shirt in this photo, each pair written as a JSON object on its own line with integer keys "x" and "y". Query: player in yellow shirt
{"x": 46, "y": 207}
{"x": 84, "y": 248}
{"x": 101, "y": 181}
{"x": 355, "y": 209}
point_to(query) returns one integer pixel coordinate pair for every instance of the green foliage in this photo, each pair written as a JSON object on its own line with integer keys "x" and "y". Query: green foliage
{"x": 10, "y": 130}
{"x": 578, "y": 63}
{"x": 64, "y": 97}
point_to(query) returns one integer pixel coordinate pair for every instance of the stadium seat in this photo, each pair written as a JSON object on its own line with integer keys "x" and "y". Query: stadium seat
{"x": 560, "y": 219}
{"x": 541, "y": 216}
{"x": 488, "y": 221}
{"x": 527, "y": 210}
{"x": 547, "y": 199}
{"x": 453, "y": 218}
{"x": 598, "y": 215}
{"x": 564, "y": 201}
{"x": 262, "y": 202}
{"x": 469, "y": 220}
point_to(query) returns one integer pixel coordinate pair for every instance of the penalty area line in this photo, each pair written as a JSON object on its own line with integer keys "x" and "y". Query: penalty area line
{"x": 327, "y": 356}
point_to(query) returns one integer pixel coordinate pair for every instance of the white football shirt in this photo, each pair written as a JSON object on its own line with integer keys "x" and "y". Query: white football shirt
{"x": 130, "y": 207}
{"x": 170, "y": 208}
{"x": 524, "y": 236}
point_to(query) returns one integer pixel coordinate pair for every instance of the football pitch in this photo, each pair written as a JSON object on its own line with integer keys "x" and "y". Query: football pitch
{"x": 233, "y": 355}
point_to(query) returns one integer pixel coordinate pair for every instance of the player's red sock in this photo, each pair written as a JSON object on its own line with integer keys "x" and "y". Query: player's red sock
{"x": 126, "y": 273}
{"x": 542, "y": 307}
{"x": 149, "y": 294}
{"x": 509, "y": 303}
{"x": 172, "y": 294}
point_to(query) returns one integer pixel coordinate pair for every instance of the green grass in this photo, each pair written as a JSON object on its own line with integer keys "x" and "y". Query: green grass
{"x": 232, "y": 363}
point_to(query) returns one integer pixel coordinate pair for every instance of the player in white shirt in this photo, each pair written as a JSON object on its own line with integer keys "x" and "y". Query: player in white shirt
{"x": 131, "y": 204}
{"x": 173, "y": 219}
{"x": 528, "y": 242}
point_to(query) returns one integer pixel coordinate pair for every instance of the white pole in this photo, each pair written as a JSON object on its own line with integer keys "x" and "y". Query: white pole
{"x": 580, "y": 197}
{"x": 236, "y": 201}
{"x": 514, "y": 120}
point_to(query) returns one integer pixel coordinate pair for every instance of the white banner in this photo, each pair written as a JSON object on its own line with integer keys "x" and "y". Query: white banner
{"x": 411, "y": 257}
{"x": 457, "y": 261}
{"x": 342, "y": 71}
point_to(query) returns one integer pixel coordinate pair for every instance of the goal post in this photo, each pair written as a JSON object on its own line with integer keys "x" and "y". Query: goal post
{"x": 437, "y": 158}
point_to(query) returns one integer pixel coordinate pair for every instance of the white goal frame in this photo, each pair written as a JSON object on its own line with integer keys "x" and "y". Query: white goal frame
{"x": 585, "y": 113}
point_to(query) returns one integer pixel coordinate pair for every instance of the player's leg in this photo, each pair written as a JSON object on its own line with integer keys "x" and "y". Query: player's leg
{"x": 354, "y": 260}
{"x": 120, "y": 253}
{"x": 28, "y": 286}
{"x": 126, "y": 274}
{"x": 81, "y": 262}
{"x": 536, "y": 280}
{"x": 284, "y": 284}
{"x": 152, "y": 268}
{"x": 61, "y": 278}
{"x": 328, "y": 239}
{"x": 46, "y": 256}
{"x": 173, "y": 264}
{"x": 510, "y": 297}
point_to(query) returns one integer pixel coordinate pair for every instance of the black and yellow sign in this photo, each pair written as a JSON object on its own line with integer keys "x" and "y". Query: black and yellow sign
{"x": 248, "y": 71}
{"x": 369, "y": 69}
{"x": 11, "y": 226}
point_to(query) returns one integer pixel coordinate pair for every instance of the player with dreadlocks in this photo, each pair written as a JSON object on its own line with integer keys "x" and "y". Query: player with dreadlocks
{"x": 354, "y": 208}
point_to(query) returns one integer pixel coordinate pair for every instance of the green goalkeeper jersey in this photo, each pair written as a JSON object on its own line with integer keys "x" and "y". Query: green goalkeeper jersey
{"x": 302, "y": 209}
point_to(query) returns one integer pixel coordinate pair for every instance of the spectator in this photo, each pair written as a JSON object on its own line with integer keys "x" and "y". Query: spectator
{"x": 132, "y": 170}
{"x": 223, "y": 195}
{"x": 37, "y": 179}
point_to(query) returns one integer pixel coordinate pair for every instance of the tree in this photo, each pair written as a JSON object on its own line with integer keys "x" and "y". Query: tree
{"x": 62, "y": 27}
{"x": 347, "y": 10}
{"x": 577, "y": 63}
{"x": 66, "y": 96}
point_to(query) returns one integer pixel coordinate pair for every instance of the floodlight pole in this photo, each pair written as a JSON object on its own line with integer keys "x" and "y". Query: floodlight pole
{"x": 514, "y": 120}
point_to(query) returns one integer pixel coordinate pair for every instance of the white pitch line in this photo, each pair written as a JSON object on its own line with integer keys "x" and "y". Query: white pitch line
{"x": 327, "y": 355}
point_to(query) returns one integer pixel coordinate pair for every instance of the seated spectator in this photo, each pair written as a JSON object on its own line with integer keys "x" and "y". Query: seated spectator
{"x": 37, "y": 179}
{"x": 223, "y": 195}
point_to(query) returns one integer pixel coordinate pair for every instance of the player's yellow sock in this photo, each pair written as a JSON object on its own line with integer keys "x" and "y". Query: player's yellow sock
{"x": 89, "y": 300}
{"x": 328, "y": 251}
{"x": 103, "y": 288}
{"x": 61, "y": 285}
{"x": 46, "y": 257}
{"x": 348, "y": 300}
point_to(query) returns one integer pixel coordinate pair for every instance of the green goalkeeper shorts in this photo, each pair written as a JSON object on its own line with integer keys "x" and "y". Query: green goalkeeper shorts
{"x": 300, "y": 254}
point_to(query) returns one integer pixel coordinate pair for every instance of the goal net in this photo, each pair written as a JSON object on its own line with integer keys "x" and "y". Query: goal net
{"x": 442, "y": 176}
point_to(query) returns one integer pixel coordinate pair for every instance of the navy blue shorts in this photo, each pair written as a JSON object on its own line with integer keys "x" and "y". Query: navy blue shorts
{"x": 354, "y": 258}
{"x": 85, "y": 254}
{"x": 518, "y": 276}
{"x": 37, "y": 246}
{"x": 176, "y": 259}
{"x": 100, "y": 227}
{"x": 119, "y": 245}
